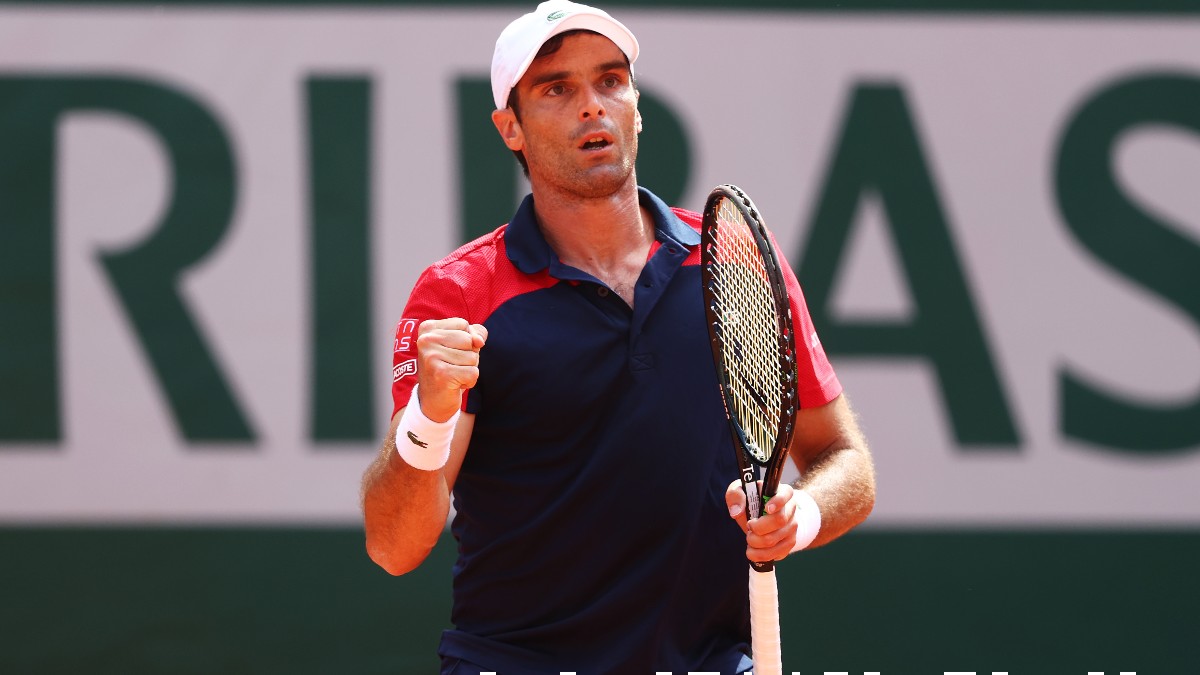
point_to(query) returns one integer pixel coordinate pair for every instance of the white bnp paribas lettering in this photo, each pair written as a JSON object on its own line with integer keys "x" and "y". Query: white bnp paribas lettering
{"x": 842, "y": 672}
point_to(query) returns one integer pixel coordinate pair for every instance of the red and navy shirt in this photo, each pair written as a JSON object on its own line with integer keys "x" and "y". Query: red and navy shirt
{"x": 590, "y": 512}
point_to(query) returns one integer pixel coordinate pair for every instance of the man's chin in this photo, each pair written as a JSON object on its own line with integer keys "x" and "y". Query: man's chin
{"x": 603, "y": 181}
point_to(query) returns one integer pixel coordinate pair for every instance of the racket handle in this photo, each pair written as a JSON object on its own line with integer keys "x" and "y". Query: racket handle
{"x": 764, "y": 623}
{"x": 758, "y": 504}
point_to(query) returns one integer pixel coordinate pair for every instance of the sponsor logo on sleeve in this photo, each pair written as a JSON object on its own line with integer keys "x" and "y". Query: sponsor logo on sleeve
{"x": 406, "y": 335}
{"x": 403, "y": 368}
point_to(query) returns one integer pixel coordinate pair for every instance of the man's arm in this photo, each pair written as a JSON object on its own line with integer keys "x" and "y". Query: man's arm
{"x": 835, "y": 465}
{"x": 405, "y": 508}
{"x": 836, "y": 470}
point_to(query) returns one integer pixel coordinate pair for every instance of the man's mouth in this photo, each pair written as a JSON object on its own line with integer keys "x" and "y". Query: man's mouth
{"x": 595, "y": 142}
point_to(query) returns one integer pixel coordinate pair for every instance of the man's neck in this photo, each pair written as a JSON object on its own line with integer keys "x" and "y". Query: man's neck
{"x": 609, "y": 237}
{"x": 597, "y": 232}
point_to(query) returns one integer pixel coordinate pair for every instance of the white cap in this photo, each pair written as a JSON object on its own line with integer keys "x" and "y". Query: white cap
{"x": 519, "y": 43}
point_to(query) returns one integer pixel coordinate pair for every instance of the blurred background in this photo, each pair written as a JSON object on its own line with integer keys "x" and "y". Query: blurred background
{"x": 211, "y": 214}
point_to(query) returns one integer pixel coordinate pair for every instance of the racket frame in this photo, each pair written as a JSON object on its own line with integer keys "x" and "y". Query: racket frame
{"x": 749, "y": 465}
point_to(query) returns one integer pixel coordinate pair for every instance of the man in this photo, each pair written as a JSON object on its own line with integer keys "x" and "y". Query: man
{"x": 555, "y": 378}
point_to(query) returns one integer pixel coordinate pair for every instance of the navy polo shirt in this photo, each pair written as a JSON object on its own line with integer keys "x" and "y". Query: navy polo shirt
{"x": 590, "y": 515}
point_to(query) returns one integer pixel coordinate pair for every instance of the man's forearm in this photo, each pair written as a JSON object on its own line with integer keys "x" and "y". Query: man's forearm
{"x": 404, "y": 510}
{"x": 842, "y": 482}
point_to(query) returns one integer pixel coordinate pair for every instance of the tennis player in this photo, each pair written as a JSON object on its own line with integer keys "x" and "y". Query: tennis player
{"x": 554, "y": 379}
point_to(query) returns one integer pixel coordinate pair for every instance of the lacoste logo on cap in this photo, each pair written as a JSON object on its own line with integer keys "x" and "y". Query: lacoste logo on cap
{"x": 555, "y": 15}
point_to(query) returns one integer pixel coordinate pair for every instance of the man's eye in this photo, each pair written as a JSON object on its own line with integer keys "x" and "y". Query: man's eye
{"x": 611, "y": 81}
{"x": 556, "y": 90}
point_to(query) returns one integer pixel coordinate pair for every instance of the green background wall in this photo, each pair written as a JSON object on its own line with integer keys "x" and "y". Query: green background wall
{"x": 131, "y": 600}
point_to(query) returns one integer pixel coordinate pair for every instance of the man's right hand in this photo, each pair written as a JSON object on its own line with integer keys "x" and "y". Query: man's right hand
{"x": 447, "y": 364}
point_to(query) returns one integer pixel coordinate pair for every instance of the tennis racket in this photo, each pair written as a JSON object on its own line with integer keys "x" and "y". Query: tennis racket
{"x": 753, "y": 346}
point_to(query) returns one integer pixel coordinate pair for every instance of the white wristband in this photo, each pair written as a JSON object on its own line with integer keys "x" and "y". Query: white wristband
{"x": 808, "y": 519}
{"x": 421, "y": 442}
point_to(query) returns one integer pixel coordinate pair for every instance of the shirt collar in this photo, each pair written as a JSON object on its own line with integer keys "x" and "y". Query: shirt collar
{"x": 528, "y": 250}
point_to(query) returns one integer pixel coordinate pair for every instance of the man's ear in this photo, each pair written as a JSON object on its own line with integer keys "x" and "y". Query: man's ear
{"x": 510, "y": 129}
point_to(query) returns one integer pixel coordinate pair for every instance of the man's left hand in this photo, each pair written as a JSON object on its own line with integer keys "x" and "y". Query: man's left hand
{"x": 771, "y": 536}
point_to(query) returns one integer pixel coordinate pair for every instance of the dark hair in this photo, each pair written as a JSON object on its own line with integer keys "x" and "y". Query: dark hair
{"x": 548, "y": 47}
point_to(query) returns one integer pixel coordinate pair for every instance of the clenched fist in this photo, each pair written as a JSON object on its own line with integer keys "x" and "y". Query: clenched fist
{"x": 447, "y": 364}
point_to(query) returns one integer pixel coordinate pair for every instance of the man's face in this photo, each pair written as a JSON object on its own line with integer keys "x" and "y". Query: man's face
{"x": 579, "y": 119}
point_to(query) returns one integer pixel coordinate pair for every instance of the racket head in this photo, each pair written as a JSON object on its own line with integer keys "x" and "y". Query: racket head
{"x": 749, "y": 322}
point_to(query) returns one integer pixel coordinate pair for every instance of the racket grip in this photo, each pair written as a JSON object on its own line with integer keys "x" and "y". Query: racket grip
{"x": 764, "y": 623}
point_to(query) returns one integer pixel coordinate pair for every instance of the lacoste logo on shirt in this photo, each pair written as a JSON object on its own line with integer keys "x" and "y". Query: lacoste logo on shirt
{"x": 408, "y": 367}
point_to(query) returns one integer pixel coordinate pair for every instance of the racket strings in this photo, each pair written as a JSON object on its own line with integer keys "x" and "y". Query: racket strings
{"x": 749, "y": 333}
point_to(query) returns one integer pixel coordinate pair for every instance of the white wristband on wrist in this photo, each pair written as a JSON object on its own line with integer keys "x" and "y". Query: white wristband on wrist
{"x": 808, "y": 518}
{"x": 421, "y": 442}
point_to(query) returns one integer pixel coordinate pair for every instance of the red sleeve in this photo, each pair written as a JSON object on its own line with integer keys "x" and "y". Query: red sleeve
{"x": 435, "y": 296}
{"x": 818, "y": 384}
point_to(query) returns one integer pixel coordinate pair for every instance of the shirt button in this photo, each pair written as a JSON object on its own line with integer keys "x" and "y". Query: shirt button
{"x": 602, "y": 292}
